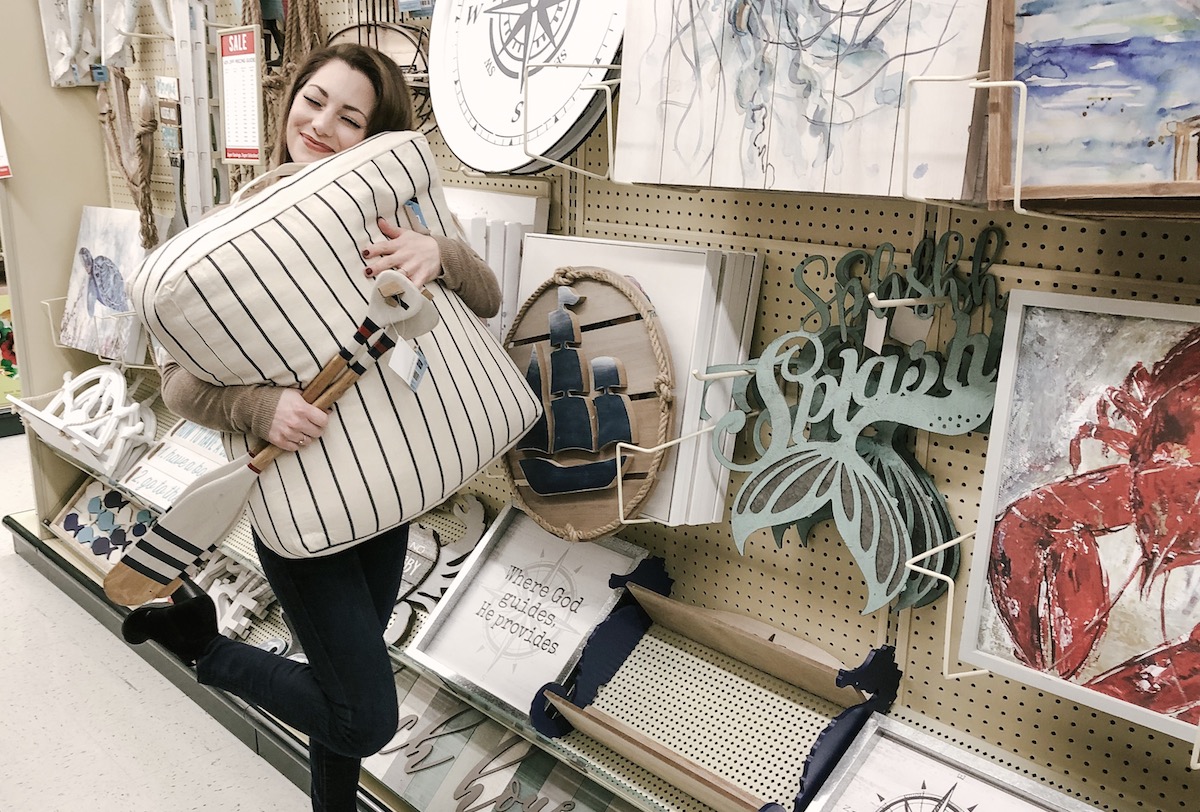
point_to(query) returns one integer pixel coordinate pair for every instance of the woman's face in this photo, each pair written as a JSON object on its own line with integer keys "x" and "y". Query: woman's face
{"x": 329, "y": 113}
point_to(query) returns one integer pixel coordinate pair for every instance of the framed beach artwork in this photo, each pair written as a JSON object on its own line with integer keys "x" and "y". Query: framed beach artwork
{"x": 894, "y": 767}
{"x": 798, "y": 95}
{"x": 98, "y": 316}
{"x": 1083, "y": 581}
{"x": 519, "y": 612}
{"x": 1112, "y": 108}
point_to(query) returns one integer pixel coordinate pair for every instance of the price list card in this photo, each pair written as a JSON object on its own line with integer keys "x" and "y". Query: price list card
{"x": 241, "y": 95}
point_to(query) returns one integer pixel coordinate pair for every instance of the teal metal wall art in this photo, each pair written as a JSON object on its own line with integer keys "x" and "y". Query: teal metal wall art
{"x": 831, "y": 420}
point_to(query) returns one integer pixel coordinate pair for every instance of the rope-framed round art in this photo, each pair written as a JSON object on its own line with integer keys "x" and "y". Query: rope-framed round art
{"x": 591, "y": 345}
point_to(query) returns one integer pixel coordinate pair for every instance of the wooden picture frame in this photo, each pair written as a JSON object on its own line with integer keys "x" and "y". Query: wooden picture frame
{"x": 1085, "y": 509}
{"x": 520, "y": 611}
{"x": 1118, "y": 64}
{"x": 894, "y": 767}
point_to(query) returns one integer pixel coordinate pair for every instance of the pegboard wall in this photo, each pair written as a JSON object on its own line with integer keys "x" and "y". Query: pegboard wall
{"x": 816, "y": 591}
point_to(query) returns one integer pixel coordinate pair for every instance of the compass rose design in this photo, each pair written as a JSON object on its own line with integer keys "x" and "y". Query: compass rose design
{"x": 515, "y": 83}
{"x": 528, "y": 31}
{"x": 923, "y": 801}
{"x": 502, "y": 645}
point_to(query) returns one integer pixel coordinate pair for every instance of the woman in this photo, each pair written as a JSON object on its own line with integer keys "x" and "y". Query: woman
{"x": 344, "y": 698}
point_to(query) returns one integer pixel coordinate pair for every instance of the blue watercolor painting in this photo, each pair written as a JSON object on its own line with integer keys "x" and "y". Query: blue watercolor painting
{"x": 1113, "y": 95}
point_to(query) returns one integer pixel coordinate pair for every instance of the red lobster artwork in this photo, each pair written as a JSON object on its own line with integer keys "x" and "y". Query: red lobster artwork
{"x": 1045, "y": 570}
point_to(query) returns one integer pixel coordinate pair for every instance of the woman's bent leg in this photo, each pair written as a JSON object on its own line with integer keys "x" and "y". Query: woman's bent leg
{"x": 344, "y": 698}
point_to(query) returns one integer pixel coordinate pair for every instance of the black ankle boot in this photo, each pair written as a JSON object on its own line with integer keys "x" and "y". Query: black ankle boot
{"x": 184, "y": 628}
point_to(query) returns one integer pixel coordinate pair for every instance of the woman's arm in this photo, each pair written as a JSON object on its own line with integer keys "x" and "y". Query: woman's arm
{"x": 469, "y": 276}
{"x": 423, "y": 257}
{"x": 276, "y": 414}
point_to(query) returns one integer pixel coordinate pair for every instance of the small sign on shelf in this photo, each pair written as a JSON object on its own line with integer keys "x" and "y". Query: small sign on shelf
{"x": 241, "y": 94}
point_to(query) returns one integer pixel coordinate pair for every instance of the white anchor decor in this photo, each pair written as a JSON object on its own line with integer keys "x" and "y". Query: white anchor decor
{"x": 830, "y": 418}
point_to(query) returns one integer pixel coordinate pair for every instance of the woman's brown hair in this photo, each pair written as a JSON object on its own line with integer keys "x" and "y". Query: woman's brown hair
{"x": 393, "y": 102}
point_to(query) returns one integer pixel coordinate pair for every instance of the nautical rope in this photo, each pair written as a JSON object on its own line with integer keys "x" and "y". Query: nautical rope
{"x": 664, "y": 387}
{"x": 130, "y": 148}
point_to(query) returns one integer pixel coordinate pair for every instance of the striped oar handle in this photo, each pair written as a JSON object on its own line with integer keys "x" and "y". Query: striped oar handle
{"x": 339, "y": 362}
{"x": 356, "y": 371}
{"x": 327, "y": 398}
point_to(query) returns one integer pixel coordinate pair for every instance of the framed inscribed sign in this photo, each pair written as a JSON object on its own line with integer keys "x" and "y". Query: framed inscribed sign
{"x": 1083, "y": 582}
{"x": 241, "y": 94}
{"x": 894, "y": 767}
{"x": 520, "y": 611}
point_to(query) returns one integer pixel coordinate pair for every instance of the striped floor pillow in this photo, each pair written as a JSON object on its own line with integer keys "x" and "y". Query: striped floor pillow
{"x": 267, "y": 290}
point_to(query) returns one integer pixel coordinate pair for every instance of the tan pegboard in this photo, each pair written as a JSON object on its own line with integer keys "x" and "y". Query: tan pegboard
{"x": 816, "y": 591}
{"x": 1101, "y": 759}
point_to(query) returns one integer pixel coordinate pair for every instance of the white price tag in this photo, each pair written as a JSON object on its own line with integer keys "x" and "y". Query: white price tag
{"x": 908, "y": 328}
{"x": 876, "y": 331}
{"x": 407, "y": 361}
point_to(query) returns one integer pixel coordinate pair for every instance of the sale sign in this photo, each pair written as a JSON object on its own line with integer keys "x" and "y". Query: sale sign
{"x": 241, "y": 94}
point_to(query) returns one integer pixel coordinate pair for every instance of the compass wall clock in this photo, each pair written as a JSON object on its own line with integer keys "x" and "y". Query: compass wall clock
{"x": 894, "y": 767}
{"x": 481, "y": 53}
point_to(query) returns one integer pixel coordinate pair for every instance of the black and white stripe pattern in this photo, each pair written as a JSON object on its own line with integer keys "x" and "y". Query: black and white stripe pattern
{"x": 268, "y": 290}
{"x": 161, "y": 555}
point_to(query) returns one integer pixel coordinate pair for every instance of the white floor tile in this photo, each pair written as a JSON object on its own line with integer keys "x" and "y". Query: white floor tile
{"x": 88, "y": 724}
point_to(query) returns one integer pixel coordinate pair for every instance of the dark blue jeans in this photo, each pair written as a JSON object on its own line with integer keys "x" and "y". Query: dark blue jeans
{"x": 344, "y": 699}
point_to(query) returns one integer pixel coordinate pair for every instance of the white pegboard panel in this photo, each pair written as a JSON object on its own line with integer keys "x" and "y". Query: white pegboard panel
{"x": 760, "y": 740}
{"x": 665, "y": 690}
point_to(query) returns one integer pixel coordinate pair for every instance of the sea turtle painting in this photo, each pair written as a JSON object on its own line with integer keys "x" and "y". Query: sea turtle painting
{"x": 98, "y": 314}
{"x": 105, "y": 283}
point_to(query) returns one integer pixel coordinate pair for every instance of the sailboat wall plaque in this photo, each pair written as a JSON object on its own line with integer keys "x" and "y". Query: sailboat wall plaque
{"x": 706, "y": 300}
{"x": 590, "y": 344}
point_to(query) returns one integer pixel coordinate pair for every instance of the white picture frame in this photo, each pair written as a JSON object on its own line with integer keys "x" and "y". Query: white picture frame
{"x": 1065, "y": 359}
{"x": 519, "y": 613}
{"x": 894, "y": 767}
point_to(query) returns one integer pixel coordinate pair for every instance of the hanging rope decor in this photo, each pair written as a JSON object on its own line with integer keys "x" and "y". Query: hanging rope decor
{"x": 131, "y": 148}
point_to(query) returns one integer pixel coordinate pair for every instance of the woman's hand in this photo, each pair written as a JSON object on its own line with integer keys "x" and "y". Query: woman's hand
{"x": 413, "y": 254}
{"x": 296, "y": 422}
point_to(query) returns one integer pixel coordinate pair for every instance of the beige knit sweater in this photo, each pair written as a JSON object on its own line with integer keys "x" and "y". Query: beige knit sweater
{"x": 249, "y": 409}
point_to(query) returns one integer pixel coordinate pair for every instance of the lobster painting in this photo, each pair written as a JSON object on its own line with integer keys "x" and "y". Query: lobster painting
{"x": 1088, "y": 567}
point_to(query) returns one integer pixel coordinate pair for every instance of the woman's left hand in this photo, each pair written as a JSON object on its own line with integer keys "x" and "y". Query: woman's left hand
{"x": 415, "y": 255}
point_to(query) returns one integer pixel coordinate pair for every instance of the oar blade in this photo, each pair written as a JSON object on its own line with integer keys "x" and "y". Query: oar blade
{"x": 202, "y": 515}
{"x": 129, "y": 587}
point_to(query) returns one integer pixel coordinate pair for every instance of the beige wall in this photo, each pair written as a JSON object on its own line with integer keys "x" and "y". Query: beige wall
{"x": 57, "y": 158}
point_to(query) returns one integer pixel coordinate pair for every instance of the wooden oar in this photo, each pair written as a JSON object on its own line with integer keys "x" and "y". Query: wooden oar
{"x": 204, "y": 513}
{"x": 209, "y": 507}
